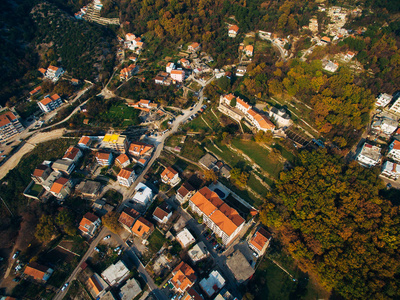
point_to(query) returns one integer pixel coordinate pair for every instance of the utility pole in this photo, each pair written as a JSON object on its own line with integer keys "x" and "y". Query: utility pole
{"x": 7, "y": 206}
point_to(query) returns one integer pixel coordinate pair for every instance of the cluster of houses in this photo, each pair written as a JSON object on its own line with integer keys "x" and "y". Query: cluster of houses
{"x": 172, "y": 74}
{"x": 52, "y": 72}
{"x": 133, "y": 42}
{"x": 238, "y": 109}
{"x": 384, "y": 125}
{"x": 128, "y": 72}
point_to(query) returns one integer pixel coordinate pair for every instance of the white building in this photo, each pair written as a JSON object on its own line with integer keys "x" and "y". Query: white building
{"x": 73, "y": 154}
{"x": 384, "y": 125}
{"x": 280, "y": 117}
{"x": 369, "y": 155}
{"x": 185, "y": 238}
{"x": 170, "y": 67}
{"x": 50, "y": 103}
{"x": 115, "y": 273}
{"x": 394, "y": 150}
{"x": 240, "y": 71}
{"x": 126, "y": 177}
{"x": 391, "y": 170}
{"x": 331, "y": 66}
{"x": 9, "y": 125}
{"x": 178, "y": 75}
{"x": 198, "y": 252}
{"x": 143, "y": 194}
{"x": 54, "y": 73}
{"x": 395, "y": 108}
{"x": 233, "y": 31}
{"x": 383, "y": 99}
{"x": 213, "y": 283}
{"x": 170, "y": 176}
{"x": 130, "y": 290}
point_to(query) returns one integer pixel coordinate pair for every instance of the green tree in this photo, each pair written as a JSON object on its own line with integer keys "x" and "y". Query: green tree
{"x": 233, "y": 102}
{"x": 45, "y": 228}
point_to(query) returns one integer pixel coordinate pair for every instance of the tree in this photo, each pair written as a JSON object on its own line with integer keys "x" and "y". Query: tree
{"x": 224, "y": 83}
{"x": 210, "y": 175}
{"x": 334, "y": 221}
{"x": 45, "y": 229}
{"x": 233, "y": 102}
{"x": 110, "y": 220}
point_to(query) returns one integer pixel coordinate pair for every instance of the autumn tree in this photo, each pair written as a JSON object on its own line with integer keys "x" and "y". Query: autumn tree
{"x": 46, "y": 228}
{"x": 210, "y": 175}
{"x": 333, "y": 220}
{"x": 110, "y": 220}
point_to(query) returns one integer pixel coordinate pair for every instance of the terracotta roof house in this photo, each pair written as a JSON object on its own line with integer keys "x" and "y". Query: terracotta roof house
{"x": 38, "y": 272}
{"x": 142, "y": 228}
{"x": 249, "y": 50}
{"x": 183, "y": 277}
{"x": 73, "y": 153}
{"x": 326, "y": 39}
{"x": 61, "y": 188}
{"x": 192, "y": 294}
{"x": 170, "y": 176}
{"x": 126, "y": 177}
{"x": 260, "y": 241}
{"x": 35, "y": 91}
{"x": 139, "y": 149}
{"x": 162, "y": 213}
{"x": 89, "y": 224}
{"x": 104, "y": 158}
{"x": 394, "y": 150}
{"x": 122, "y": 161}
{"x": 97, "y": 284}
{"x": 84, "y": 142}
{"x": 233, "y": 31}
{"x": 50, "y": 103}
{"x": 185, "y": 192}
{"x": 194, "y": 47}
{"x": 222, "y": 219}
{"x": 41, "y": 173}
{"x": 128, "y": 218}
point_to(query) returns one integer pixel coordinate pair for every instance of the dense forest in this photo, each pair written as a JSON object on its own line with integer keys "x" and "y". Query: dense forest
{"x": 332, "y": 219}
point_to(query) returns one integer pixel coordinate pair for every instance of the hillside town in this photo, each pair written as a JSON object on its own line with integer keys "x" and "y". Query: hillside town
{"x": 216, "y": 166}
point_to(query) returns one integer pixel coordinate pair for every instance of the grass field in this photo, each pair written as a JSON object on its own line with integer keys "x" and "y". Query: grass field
{"x": 256, "y": 186}
{"x": 121, "y": 111}
{"x": 192, "y": 150}
{"x": 156, "y": 240}
{"x": 196, "y": 125}
{"x": 259, "y": 155}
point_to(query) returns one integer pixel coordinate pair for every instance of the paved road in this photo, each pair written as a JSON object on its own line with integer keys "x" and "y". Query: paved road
{"x": 60, "y": 294}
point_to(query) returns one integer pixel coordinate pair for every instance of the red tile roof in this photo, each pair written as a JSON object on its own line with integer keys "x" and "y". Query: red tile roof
{"x": 169, "y": 173}
{"x": 142, "y": 226}
{"x": 125, "y": 173}
{"x": 260, "y": 238}
{"x": 84, "y": 140}
{"x": 87, "y": 219}
{"x": 128, "y": 216}
{"x": 396, "y": 145}
{"x": 58, "y": 185}
{"x": 234, "y": 28}
{"x": 36, "y": 270}
{"x": 71, "y": 153}
{"x": 6, "y": 118}
{"x": 183, "y": 276}
{"x": 123, "y": 158}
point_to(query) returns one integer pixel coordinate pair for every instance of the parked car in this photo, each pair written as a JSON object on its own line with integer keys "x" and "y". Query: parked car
{"x": 96, "y": 249}
{"x": 64, "y": 286}
{"x": 107, "y": 237}
{"x": 119, "y": 252}
{"x": 117, "y": 248}
{"x": 16, "y": 254}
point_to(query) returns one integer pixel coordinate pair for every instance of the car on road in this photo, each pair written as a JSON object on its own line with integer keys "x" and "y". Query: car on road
{"x": 129, "y": 243}
{"x": 117, "y": 248}
{"x": 64, "y": 286}
{"x": 96, "y": 249}
{"x": 16, "y": 254}
{"x": 107, "y": 237}
{"x": 119, "y": 252}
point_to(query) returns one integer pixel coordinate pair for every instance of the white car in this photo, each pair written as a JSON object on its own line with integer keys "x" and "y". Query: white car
{"x": 107, "y": 237}
{"x": 64, "y": 286}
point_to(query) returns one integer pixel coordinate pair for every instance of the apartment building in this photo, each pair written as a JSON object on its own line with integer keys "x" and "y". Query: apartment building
{"x": 115, "y": 142}
{"x": 170, "y": 176}
{"x": 9, "y": 125}
{"x": 126, "y": 177}
{"x": 50, "y": 103}
{"x": 139, "y": 149}
{"x": 104, "y": 158}
{"x": 222, "y": 219}
{"x": 394, "y": 150}
{"x": 391, "y": 170}
{"x": 369, "y": 155}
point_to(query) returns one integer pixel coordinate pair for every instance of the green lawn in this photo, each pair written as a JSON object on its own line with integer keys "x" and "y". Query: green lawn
{"x": 196, "y": 125}
{"x": 156, "y": 240}
{"x": 227, "y": 155}
{"x": 256, "y": 186}
{"x": 259, "y": 155}
{"x": 192, "y": 150}
{"x": 36, "y": 189}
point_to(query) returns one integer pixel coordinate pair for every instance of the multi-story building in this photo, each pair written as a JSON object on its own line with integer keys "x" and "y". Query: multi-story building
{"x": 259, "y": 121}
{"x": 369, "y": 155}
{"x": 89, "y": 224}
{"x": 61, "y": 188}
{"x": 185, "y": 192}
{"x": 143, "y": 194}
{"x": 170, "y": 66}
{"x": 391, "y": 170}
{"x": 233, "y": 31}
{"x": 64, "y": 165}
{"x": 122, "y": 161}
{"x": 128, "y": 218}
{"x": 395, "y": 108}
{"x": 139, "y": 149}
{"x": 115, "y": 142}
{"x": 170, "y": 176}
{"x": 73, "y": 154}
{"x": 249, "y": 50}
{"x": 222, "y": 219}
{"x": 394, "y": 150}
{"x": 178, "y": 75}
{"x": 104, "y": 158}
{"x": 41, "y": 173}
{"x": 126, "y": 177}
{"x": 384, "y": 125}
{"x": 127, "y": 72}
{"x": 84, "y": 142}
{"x": 194, "y": 47}
{"x": 54, "y": 73}
{"x": 50, "y": 103}
{"x": 183, "y": 277}
{"x": 383, "y": 99}
{"x": 213, "y": 283}
{"x": 280, "y": 117}
{"x": 142, "y": 228}
{"x": 162, "y": 213}
{"x": 260, "y": 241}
{"x": 9, "y": 125}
